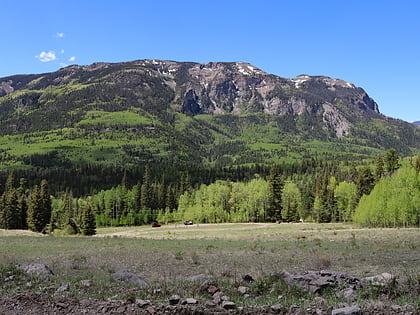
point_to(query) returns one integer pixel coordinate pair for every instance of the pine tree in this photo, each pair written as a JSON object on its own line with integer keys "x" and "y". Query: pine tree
{"x": 417, "y": 164}
{"x": 379, "y": 168}
{"x": 275, "y": 184}
{"x": 9, "y": 215}
{"x": 88, "y": 224}
{"x": 23, "y": 212}
{"x": 46, "y": 202}
{"x": 12, "y": 209}
{"x": 146, "y": 190}
{"x": 392, "y": 161}
{"x": 365, "y": 182}
{"x": 36, "y": 216}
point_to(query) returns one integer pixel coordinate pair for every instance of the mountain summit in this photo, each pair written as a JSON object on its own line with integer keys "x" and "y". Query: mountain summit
{"x": 184, "y": 113}
{"x": 193, "y": 88}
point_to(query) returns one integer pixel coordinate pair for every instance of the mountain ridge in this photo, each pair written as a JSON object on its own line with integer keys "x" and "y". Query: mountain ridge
{"x": 178, "y": 113}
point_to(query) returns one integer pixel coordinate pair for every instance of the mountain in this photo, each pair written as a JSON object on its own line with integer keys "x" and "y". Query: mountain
{"x": 416, "y": 123}
{"x": 185, "y": 114}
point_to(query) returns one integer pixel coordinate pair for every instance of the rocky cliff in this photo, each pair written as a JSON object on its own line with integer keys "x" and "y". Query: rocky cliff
{"x": 193, "y": 88}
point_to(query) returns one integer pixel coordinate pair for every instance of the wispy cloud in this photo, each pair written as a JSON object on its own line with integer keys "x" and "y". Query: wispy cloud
{"x": 59, "y": 35}
{"x": 46, "y": 56}
{"x": 62, "y": 64}
{"x": 72, "y": 58}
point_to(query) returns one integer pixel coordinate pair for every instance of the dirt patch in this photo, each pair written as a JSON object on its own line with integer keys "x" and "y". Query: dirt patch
{"x": 39, "y": 303}
{"x": 189, "y": 228}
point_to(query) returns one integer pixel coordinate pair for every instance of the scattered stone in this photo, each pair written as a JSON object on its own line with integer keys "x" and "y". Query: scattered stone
{"x": 294, "y": 309}
{"x": 350, "y": 310}
{"x": 228, "y": 305}
{"x": 247, "y": 278}
{"x": 225, "y": 298}
{"x": 63, "y": 288}
{"x": 276, "y": 307}
{"x": 200, "y": 277}
{"x": 210, "y": 304}
{"x": 174, "y": 299}
{"x": 129, "y": 277}
{"x": 36, "y": 268}
{"x": 212, "y": 289}
{"x": 380, "y": 280}
{"x": 85, "y": 283}
{"x": 349, "y": 294}
{"x": 243, "y": 290}
{"x": 217, "y": 297}
{"x": 317, "y": 281}
{"x": 319, "y": 300}
{"x": 121, "y": 309}
{"x": 142, "y": 303}
{"x": 191, "y": 301}
{"x": 150, "y": 310}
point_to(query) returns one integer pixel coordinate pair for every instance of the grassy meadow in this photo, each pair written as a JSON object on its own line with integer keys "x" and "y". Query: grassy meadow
{"x": 167, "y": 255}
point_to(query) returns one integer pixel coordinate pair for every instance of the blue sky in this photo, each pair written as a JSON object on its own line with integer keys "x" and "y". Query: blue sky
{"x": 373, "y": 44}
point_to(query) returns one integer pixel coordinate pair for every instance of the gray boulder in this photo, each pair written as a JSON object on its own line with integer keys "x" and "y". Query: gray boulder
{"x": 317, "y": 281}
{"x": 129, "y": 277}
{"x": 36, "y": 269}
{"x": 381, "y": 280}
{"x": 351, "y": 310}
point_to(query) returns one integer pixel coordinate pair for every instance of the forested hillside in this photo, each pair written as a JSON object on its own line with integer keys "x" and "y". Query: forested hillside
{"x": 214, "y": 121}
{"x": 132, "y": 143}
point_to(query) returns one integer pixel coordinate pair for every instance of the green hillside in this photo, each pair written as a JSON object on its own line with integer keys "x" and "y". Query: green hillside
{"x": 116, "y": 118}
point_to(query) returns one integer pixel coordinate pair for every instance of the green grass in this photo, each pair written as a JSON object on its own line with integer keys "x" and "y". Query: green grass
{"x": 166, "y": 256}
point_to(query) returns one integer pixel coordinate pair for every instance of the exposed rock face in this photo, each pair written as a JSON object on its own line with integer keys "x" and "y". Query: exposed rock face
{"x": 214, "y": 87}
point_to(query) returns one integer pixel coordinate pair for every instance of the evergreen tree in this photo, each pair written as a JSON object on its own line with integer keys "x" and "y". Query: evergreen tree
{"x": 275, "y": 184}
{"x": 308, "y": 199}
{"x": 171, "y": 200}
{"x": 146, "y": 190}
{"x": 23, "y": 212}
{"x": 4, "y": 216}
{"x": 417, "y": 164}
{"x": 66, "y": 219}
{"x": 291, "y": 202}
{"x": 46, "y": 202}
{"x": 379, "y": 168}
{"x": 9, "y": 214}
{"x": 36, "y": 216}
{"x": 392, "y": 161}
{"x": 87, "y": 224}
{"x": 365, "y": 182}
{"x": 185, "y": 183}
{"x": 11, "y": 210}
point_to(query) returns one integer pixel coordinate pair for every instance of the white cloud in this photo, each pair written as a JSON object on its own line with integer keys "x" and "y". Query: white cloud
{"x": 46, "y": 56}
{"x": 72, "y": 58}
{"x": 62, "y": 64}
{"x": 59, "y": 35}
{"x": 62, "y": 51}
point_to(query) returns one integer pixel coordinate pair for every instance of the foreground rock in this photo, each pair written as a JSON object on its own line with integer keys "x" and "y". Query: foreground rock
{"x": 129, "y": 277}
{"x": 318, "y": 281}
{"x": 351, "y": 310}
{"x": 36, "y": 269}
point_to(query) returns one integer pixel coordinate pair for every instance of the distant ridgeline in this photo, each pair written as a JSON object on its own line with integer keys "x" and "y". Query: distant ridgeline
{"x": 214, "y": 121}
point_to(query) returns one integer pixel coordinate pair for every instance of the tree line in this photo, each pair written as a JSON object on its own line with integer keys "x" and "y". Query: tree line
{"x": 316, "y": 191}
